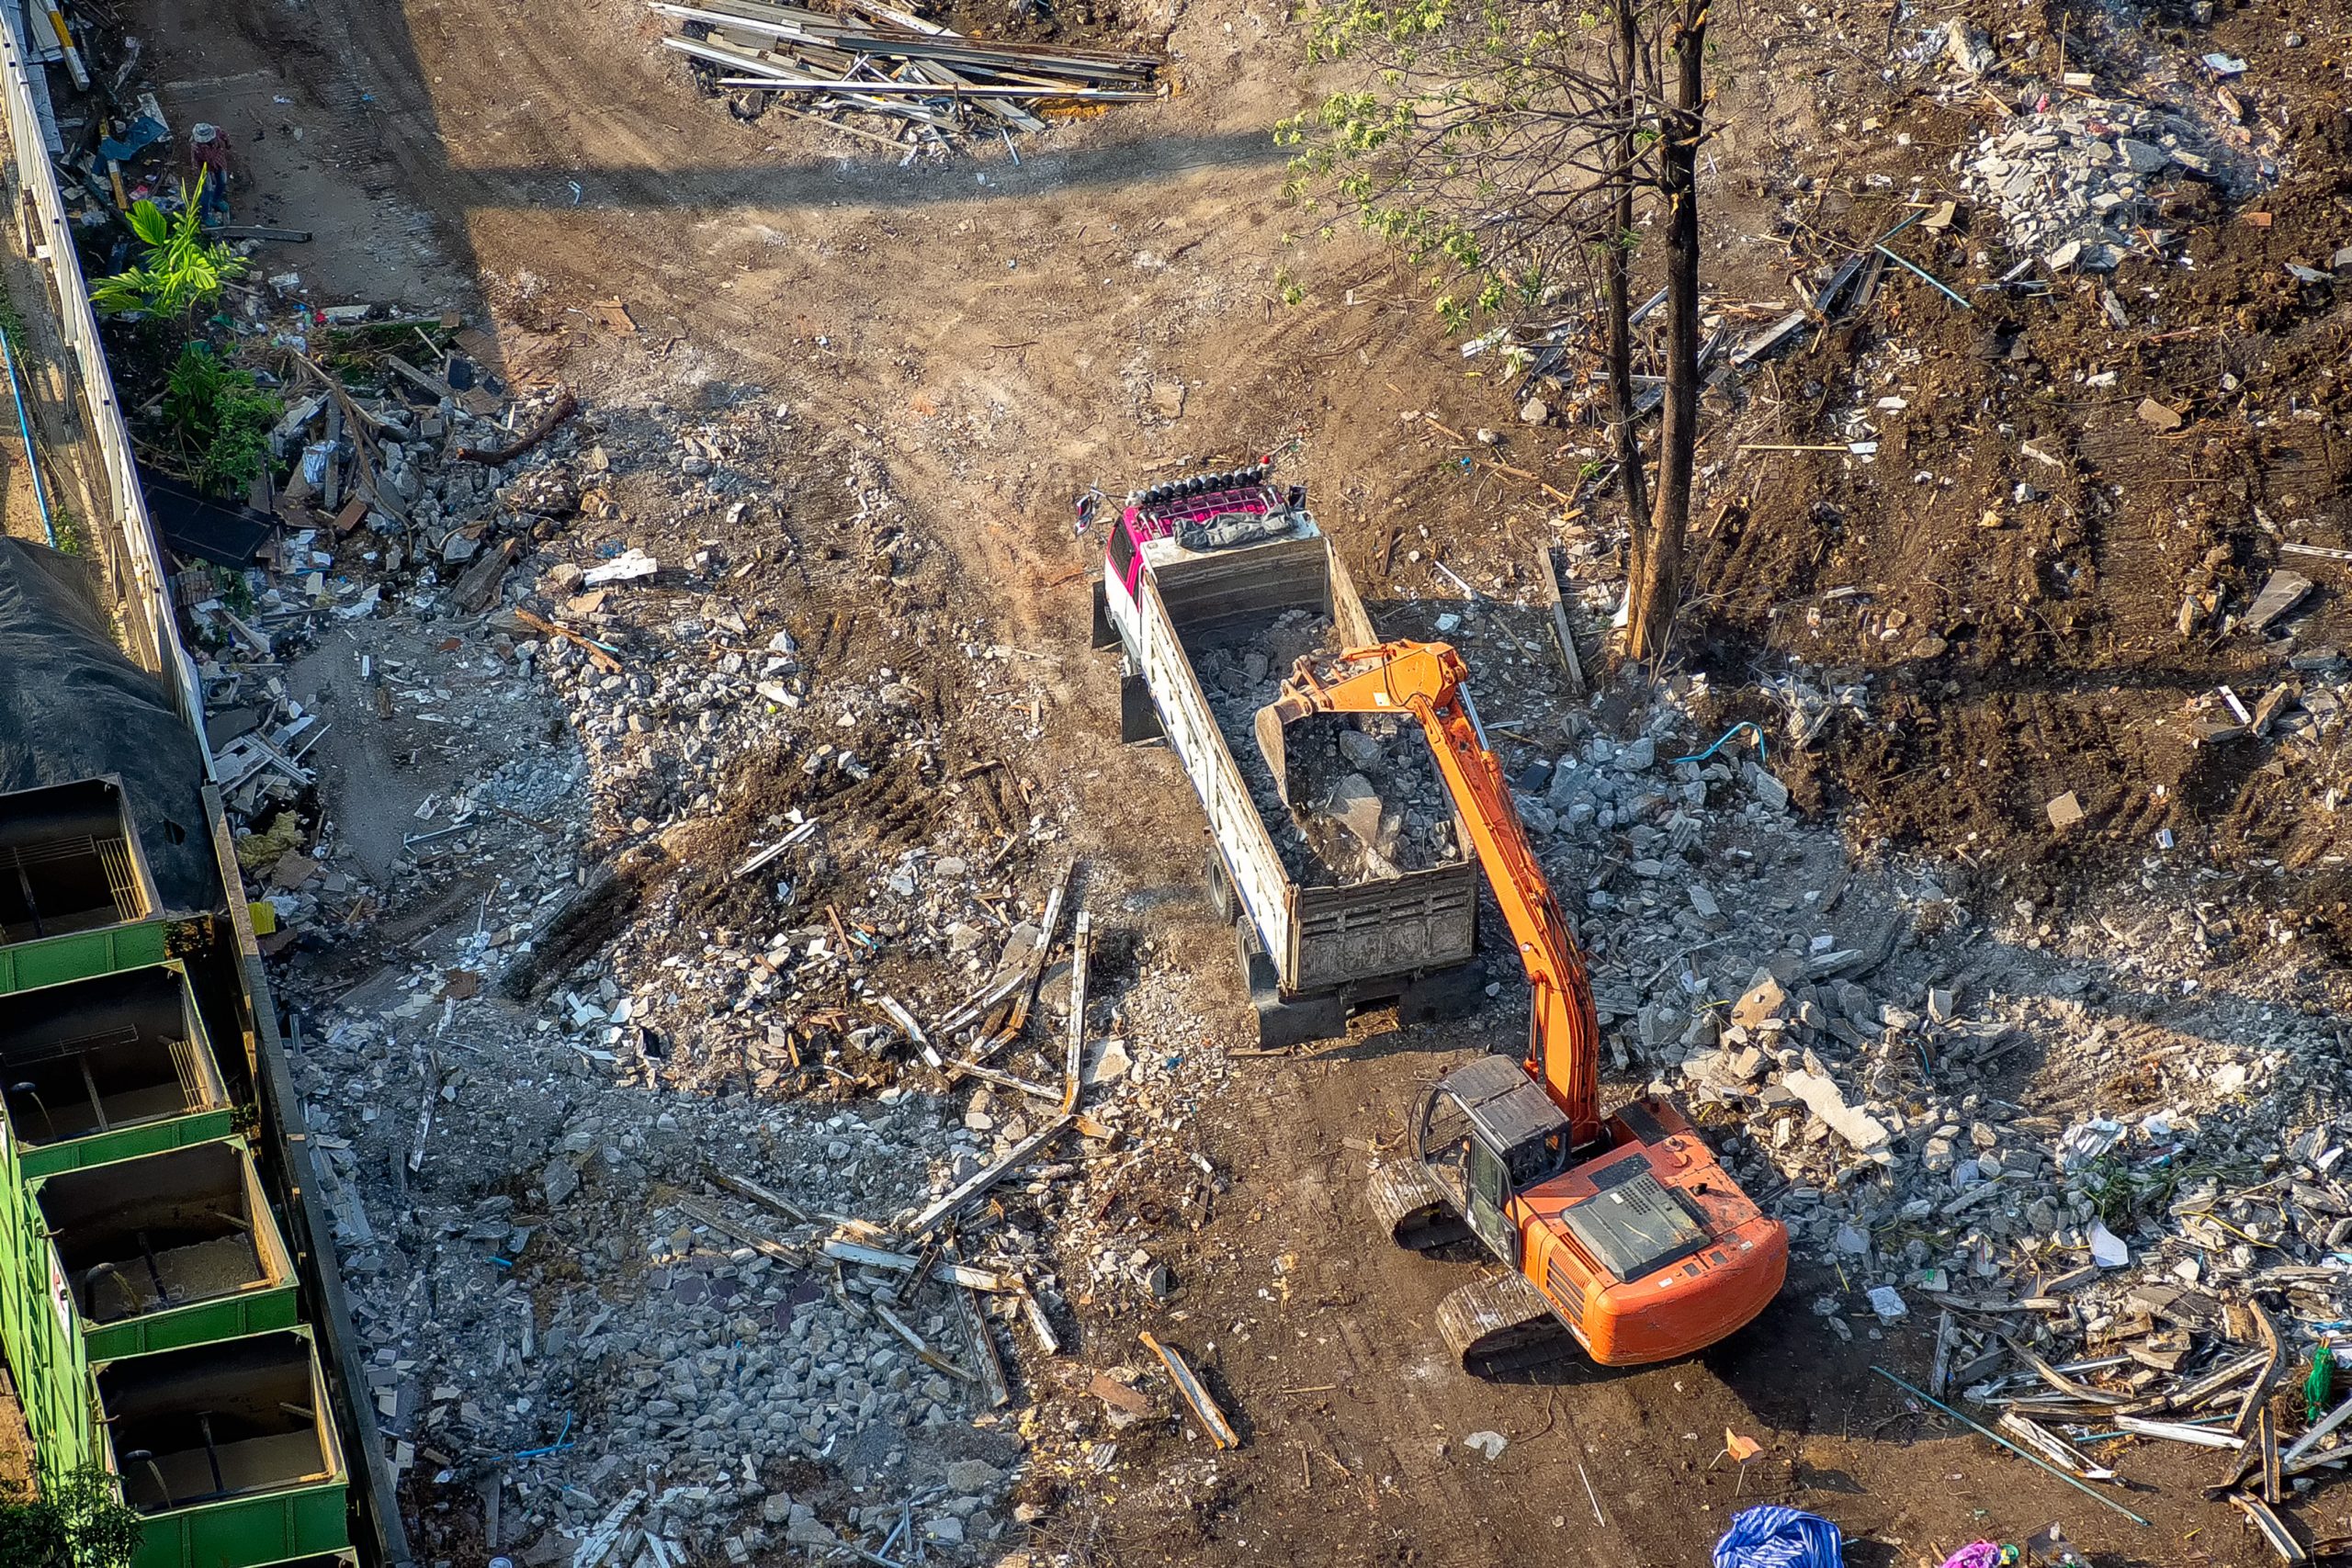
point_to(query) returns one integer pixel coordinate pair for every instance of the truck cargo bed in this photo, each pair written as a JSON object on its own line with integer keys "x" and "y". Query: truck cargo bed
{"x": 1361, "y": 939}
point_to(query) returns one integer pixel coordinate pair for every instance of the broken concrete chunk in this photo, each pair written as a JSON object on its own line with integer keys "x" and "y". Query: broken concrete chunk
{"x": 1770, "y": 790}
{"x": 626, "y": 567}
{"x": 2281, "y": 591}
{"x": 1356, "y": 806}
{"x": 1359, "y": 750}
{"x": 971, "y": 1476}
{"x": 1967, "y": 46}
{"x": 559, "y": 1181}
{"x": 1764, "y": 999}
{"x": 1826, "y": 1100}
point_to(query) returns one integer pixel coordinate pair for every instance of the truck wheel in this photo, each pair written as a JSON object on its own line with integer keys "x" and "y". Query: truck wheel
{"x": 1256, "y": 970}
{"x": 1221, "y": 896}
{"x": 1102, "y": 634}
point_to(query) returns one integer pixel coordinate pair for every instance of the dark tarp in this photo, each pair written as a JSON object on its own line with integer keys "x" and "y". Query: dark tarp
{"x": 72, "y": 705}
{"x": 195, "y": 527}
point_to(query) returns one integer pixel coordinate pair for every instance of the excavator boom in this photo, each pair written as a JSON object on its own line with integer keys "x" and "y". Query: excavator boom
{"x": 1625, "y": 1227}
{"x": 1423, "y": 681}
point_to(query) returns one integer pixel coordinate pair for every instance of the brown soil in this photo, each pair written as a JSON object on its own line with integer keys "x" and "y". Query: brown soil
{"x": 995, "y": 335}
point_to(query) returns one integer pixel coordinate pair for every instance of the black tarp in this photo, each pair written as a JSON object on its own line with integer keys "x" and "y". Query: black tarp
{"x": 195, "y": 527}
{"x": 72, "y": 705}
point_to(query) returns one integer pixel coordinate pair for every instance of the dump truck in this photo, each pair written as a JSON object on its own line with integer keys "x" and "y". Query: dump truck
{"x": 1189, "y": 563}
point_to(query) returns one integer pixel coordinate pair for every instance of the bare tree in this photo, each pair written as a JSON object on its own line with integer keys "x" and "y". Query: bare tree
{"x": 1507, "y": 146}
{"x": 1654, "y": 589}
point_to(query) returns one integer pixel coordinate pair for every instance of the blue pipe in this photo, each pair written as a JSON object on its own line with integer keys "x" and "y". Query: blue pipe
{"x": 1744, "y": 724}
{"x": 25, "y": 426}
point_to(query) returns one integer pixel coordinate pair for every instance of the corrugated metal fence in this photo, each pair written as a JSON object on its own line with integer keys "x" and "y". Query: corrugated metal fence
{"x": 121, "y": 529}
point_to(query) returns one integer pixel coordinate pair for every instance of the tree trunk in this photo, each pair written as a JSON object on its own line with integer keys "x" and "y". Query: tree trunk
{"x": 1656, "y": 589}
{"x": 1617, "y": 264}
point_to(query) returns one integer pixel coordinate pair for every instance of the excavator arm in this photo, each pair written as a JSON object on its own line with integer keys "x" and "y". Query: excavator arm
{"x": 1424, "y": 680}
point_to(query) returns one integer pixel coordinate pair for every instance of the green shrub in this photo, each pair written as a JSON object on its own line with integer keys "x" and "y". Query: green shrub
{"x": 220, "y": 418}
{"x": 79, "y": 1522}
{"x": 182, "y": 271}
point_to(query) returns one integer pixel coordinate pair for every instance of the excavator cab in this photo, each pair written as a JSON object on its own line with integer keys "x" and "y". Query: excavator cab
{"x": 1487, "y": 1132}
{"x": 1517, "y": 1139}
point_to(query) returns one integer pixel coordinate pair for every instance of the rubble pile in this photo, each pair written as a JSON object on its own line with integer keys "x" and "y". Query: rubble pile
{"x": 2100, "y": 164}
{"x": 1365, "y": 800}
{"x": 656, "y": 822}
{"x": 2060, "y": 1132}
{"x": 2088, "y": 181}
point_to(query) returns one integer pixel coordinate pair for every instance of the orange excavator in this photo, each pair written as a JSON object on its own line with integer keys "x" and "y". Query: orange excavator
{"x": 1624, "y": 1229}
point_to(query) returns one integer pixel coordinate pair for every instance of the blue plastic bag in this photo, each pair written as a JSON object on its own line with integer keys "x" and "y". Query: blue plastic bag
{"x": 1771, "y": 1535}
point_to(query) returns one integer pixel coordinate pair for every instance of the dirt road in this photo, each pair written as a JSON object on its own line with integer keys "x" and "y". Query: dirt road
{"x": 1113, "y": 308}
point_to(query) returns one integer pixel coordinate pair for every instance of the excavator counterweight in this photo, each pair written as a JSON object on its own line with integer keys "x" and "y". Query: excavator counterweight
{"x": 1622, "y": 1227}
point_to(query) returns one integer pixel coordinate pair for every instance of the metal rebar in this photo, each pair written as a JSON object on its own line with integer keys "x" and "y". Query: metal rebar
{"x": 1916, "y": 269}
{"x": 1982, "y": 1430}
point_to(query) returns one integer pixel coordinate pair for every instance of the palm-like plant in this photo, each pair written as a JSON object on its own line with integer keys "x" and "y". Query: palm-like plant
{"x": 182, "y": 271}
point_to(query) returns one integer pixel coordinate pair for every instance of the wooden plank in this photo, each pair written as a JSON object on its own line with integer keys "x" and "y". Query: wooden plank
{"x": 971, "y": 1188}
{"x": 1082, "y": 948}
{"x": 1562, "y": 635}
{"x": 994, "y": 1382}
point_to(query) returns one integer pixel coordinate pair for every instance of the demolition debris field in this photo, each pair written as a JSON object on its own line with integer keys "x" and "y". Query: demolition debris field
{"x": 2024, "y": 926}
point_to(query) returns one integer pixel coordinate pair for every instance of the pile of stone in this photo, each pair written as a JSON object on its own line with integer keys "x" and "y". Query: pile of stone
{"x": 1942, "y": 1111}
{"x": 669, "y": 846}
{"x": 1363, "y": 800}
{"x": 2089, "y": 181}
{"x": 2096, "y": 166}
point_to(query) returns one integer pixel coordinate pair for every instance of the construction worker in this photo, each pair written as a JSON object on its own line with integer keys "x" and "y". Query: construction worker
{"x": 208, "y": 149}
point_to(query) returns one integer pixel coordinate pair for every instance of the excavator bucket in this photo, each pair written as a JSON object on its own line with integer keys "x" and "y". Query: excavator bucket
{"x": 1273, "y": 719}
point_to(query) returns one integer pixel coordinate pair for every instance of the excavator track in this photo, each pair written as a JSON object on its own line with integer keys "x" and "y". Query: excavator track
{"x": 1502, "y": 1325}
{"x": 1412, "y": 1208}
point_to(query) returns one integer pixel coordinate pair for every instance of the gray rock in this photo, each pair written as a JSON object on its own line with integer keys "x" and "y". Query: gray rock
{"x": 559, "y": 1181}
{"x": 1967, "y": 46}
{"x": 1356, "y": 806}
{"x": 1825, "y": 1100}
{"x": 972, "y": 1477}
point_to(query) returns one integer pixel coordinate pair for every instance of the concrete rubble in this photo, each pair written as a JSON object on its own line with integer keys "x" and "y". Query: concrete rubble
{"x": 1364, "y": 798}
{"x": 2083, "y": 177}
{"x": 2080, "y": 1137}
{"x": 543, "y": 859}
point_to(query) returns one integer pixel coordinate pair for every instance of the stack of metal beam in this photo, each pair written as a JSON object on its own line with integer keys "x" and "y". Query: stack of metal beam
{"x": 873, "y": 58}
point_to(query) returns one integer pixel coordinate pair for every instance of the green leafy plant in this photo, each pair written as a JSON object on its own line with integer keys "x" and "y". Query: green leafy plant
{"x": 182, "y": 272}
{"x": 220, "y": 418}
{"x": 1504, "y": 150}
{"x": 79, "y": 1522}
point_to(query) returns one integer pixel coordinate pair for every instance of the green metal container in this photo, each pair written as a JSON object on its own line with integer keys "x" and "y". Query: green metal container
{"x": 82, "y": 954}
{"x": 228, "y": 1451}
{"x": 164, "y": 1251}
{"x": 105, "y": 1069}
